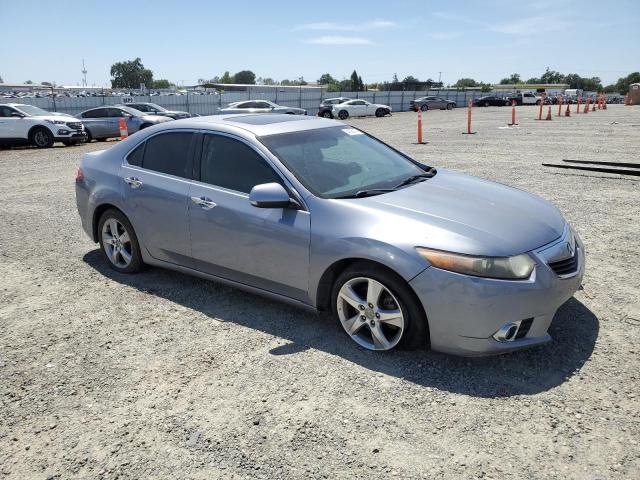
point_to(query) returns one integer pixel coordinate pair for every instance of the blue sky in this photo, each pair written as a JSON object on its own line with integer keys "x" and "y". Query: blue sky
{"x": 186, "y": 40}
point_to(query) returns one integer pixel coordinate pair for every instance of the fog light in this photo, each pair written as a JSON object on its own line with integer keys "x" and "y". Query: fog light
{"x": 507, "y": 332}
{"x": 63, "y": 132}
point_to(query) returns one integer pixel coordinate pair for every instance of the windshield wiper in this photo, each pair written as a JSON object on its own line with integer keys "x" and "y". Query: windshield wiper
{"x": 367, "y": 193}
{"x": 413, "y": 178}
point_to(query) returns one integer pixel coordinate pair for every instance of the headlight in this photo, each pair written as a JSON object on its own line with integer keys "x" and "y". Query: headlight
{"x": 508, "y": 268}
{"x": 57, "y": 122}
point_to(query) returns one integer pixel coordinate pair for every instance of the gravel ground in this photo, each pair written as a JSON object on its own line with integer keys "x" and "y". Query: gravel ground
{"x": 161, "y": 375}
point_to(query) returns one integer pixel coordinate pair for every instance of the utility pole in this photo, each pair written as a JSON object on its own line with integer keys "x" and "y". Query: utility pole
{"x": 439, "y": 77}
{"x": 84, "y": 74}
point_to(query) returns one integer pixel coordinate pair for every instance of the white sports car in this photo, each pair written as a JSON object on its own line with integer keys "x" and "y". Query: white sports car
{"x": 359, "y": 108}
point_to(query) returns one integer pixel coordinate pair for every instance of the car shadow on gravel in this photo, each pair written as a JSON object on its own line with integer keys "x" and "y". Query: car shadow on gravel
{"x": 526, "y": 372}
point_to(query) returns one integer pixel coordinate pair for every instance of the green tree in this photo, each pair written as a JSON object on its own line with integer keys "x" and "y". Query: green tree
{"x": 246, "y": 77}
{"x": 511, "y": 80}
{"x": 622, "y": 85}
{"x": 551, "y": 76}
{"x": 355, "y": 82}
{"x": 225, "y": 78}
{"x": 130, "y": 74}
{"x": 465, "y": 82}
{"x": 162, "y": 83}
{"x": 485, "y": 87}
{"x": 326, "y": 79}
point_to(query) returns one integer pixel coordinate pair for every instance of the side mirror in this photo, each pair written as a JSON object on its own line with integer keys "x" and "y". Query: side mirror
{"x": 271, "y": 195}
{"x": 17, "y": 114}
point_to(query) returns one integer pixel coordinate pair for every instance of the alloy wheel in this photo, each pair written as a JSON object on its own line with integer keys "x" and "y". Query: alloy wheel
{"x": 117, "y": 243}
{"x": 370, "y": 314}
{"x": 40, "y": 138}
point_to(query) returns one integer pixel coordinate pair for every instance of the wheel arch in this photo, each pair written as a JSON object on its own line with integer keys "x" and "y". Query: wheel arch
{"x": 97, "y": 213}
{"x": 38, "y": 127}
{"x": 331, "y": 273}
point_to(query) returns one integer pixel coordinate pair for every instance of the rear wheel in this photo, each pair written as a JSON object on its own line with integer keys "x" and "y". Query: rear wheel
{"x": 424, "y": 107}
{"x": 449, "y": 106}
{"x": 486, "y": 104}
{"x": 377, "y": 309}
{"x": 119, "y": 243}
{"x": 381, "y": 112}
{"x": 89, "y": 137}
{"x": 327, "y": 114}
{"x": 42, "y": 138}
{"x": 343, "y": 114}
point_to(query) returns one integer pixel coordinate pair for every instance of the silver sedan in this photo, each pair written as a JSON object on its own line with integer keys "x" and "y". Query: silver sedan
{"x": 319, "y": 214}
{"x": 261, "y": 106}
{"x": 103, "y": 123}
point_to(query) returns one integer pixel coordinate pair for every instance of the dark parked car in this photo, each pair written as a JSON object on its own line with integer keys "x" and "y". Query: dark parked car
{"x": 154, "y": 109}
{"x": 491, "y": 101}
{"x": 324, "y": 110}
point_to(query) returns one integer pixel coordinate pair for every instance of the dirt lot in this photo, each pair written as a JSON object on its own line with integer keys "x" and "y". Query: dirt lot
{"x": 160, "y": 375}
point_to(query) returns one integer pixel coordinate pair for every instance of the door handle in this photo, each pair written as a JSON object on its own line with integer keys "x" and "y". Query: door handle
{"x": 133, "y": 182}
{"x": 205, "y": 203}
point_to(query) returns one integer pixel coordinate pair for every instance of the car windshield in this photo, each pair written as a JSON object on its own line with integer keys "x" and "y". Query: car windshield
{"x": 33, "y": 111}
{"x": 340, "y": 161}
{"x": 157, "y": 107}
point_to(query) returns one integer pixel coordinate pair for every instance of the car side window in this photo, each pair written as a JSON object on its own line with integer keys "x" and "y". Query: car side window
{"x": 95, "y": 113}
{"x": 6, "y": 111}
{"x": 136, "y": 156}
{"x": 231, "y": 164}
{"x": 168, "y": 153}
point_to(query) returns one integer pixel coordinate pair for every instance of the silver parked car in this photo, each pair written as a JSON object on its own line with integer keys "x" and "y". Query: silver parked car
{"x": 261, "y": 106}
{"x": 155, "y": 109}
{"x": 431, "y": 103}
{"x": 322, "y": 215}
{"x": 104, "y": 122}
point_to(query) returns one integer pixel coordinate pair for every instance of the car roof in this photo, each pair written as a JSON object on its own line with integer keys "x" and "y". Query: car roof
{"x": 259, "y": 124}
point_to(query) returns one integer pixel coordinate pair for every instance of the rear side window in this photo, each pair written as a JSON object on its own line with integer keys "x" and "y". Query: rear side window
{"x": 167, "y": 153}
{"x": 231, "y": 164}
{"x": 136, "y": 156}
{"x": 96, "y": 113}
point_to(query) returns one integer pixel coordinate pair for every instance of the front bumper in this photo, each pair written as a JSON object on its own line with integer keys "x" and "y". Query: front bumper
{"x": 465, "y": 312}
{"x": 73, "y": 136}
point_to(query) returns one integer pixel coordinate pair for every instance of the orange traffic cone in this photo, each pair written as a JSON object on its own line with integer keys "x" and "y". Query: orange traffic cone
{"x": 419, "y": 127}
{"x": 568, "y": 112}
{"x": 123, "y": 129}
{"x": 548, "y": 114}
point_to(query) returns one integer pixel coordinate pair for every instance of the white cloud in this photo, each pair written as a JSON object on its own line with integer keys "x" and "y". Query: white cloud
{"x": 339, "y": 40}
{"x": 530, "y": 26}
{"x": 345, "y": 27}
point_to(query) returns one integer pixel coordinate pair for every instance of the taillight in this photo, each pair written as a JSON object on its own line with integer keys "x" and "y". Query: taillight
{"x": 79, "y": 175}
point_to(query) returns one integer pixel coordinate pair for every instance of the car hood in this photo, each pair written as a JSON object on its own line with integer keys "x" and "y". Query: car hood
{"x": 466, "y": 214}
{"x": 156, "y": 118}
{"x": 55, "y": 118}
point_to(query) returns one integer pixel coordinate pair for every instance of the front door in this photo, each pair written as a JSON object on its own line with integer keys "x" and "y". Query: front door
{"x": 267, "y": 248}
{"x": 9, "y": 124}
{"x": 156, "y": 180}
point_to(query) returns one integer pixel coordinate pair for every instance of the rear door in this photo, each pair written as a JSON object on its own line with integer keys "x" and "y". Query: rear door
{"x": 267, "y": 248}
{"x": 156, "y": 178}
{"x": 96, "y": 122}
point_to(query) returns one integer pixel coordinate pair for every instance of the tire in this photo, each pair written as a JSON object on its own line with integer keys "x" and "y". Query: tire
{"x": 327, "y": 114}
{"x": 41, "y": 138}
{"x": 538, "y": 102}
{"x": 449, "y": 106}
{"x": 506, "y": 104}
{"x": 380, "y": 112}
{"x": 424, "y": 107}
{"x": 89, "y": 137}
{"x": 486, "y": 104}
{"x": 124, "y": 248}
{"x": 407, "y": 330}
{"x": 343, "y": 114}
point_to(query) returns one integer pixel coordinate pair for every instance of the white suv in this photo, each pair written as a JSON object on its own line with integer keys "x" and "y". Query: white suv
{"x": 25, "y": 124}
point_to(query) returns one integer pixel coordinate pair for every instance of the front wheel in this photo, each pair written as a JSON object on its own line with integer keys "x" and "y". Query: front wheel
{"x": 381, "y": 112}
{"x": 377, "y": 309}
{"x": 424, "y": 107}
{"x": 486, "y": 104}
{"x": 449, "y": 106}
{"x": 42, "y": 138}
{"x": 119, "y": 243}
{"x": 327, "y": 114}
{"x": 343, "y": 114}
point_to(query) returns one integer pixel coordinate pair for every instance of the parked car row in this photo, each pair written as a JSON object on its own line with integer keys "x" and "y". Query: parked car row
{"x": 343, "y": 108}
{"x": 22, "y": 124}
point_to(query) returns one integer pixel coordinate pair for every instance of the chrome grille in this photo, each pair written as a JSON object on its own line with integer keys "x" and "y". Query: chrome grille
{"x": 75, "y": 125}
{"x": 566, "y": 266}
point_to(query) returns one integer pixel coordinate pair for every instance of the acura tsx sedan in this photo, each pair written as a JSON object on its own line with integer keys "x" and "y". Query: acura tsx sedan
{"x": 317, "y": 213}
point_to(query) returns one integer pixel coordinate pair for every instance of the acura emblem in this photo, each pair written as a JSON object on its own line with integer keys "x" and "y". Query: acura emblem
{"x": 570, "y": 249}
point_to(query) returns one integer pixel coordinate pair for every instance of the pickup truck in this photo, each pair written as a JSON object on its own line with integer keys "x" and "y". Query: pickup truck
{"x": 526, "y": 98}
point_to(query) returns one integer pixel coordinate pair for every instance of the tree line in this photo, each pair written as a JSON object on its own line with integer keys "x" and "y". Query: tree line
{"x": 132, "y": 73}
